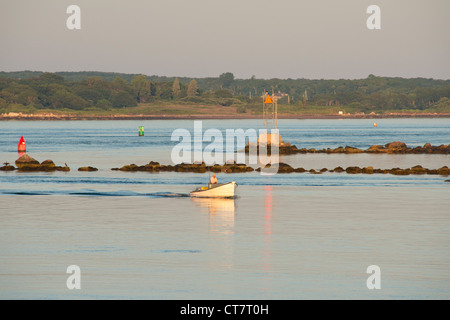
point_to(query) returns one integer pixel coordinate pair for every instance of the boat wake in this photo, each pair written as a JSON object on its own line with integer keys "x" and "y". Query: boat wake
{"x": 94, "y": 193}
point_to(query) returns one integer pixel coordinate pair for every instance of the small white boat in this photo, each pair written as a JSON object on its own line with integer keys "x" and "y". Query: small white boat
{"x": 225, "y": 190}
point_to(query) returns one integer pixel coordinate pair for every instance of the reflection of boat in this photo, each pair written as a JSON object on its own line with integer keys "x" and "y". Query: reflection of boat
{"x": 225, "y": 190}
{"x": 221, "y": 213}
{"x": 216, "y": 205}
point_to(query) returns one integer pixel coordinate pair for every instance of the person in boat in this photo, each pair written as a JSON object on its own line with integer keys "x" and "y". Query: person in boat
{"x": 213, "y": 181}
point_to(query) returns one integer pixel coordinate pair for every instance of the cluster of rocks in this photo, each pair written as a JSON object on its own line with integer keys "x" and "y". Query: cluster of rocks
{"x": 285, "y": 168}
{"x": 27, "y": 163}
{"x": 282, "y": 168}
{"x": 396, "y": 147}
{"x": 152, "y": 166}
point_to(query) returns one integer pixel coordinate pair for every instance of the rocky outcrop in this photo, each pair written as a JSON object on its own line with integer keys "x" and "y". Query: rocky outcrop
{"x": 27, "y": 163}
{"x": 229, "y": 167}
{"x": 283, "y": 148}
{"x": 396, "y": 147}
{"x": 7, "y": 168}
{"x": 87, "y": 169}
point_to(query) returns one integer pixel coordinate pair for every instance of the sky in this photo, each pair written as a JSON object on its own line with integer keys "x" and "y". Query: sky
{"x": 313, "y": 39}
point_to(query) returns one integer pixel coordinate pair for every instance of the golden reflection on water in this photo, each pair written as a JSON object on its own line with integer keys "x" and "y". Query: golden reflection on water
{"x": 221, "y": 228}
{"x": 221, "y": 213}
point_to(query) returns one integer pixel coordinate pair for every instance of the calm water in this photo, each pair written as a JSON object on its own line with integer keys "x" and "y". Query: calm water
{"x": 294, "y": 236}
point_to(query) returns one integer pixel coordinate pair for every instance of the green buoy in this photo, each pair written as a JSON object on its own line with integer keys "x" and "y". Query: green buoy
{"x": 141, "y": 131}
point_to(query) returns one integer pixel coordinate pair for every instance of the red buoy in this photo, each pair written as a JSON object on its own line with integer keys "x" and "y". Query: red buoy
{"x": 22, "y": 147}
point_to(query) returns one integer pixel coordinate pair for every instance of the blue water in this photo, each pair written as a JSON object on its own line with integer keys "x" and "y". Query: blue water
{"x": 109, "y": 144}
{"x": 138, "y": 235}
{"x": 64, "y": 136}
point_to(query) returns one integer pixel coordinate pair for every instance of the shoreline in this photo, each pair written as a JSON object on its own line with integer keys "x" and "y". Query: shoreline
{"x": 65, "y": 117}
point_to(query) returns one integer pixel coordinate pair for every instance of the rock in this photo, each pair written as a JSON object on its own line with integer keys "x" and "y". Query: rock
{"x": 376, "y": 149}
{"x": 216, "y": 168}
{"x": 47, "y": 165}
{"x": 400, "y": 172}
{"x": 368, "y": 170}
{"x": 7, "y": 168}
{"x": 131, "y": 167}
{"x": 284, "y": 148}
{"x": 443, "y": 171}
{"x": 339, "y": 150}
{"x": 418, "y": 170}
{"x": 300, "y": 170}
{"x": 87, "y": 169}
{"x": 284, "y": 168}
{"x": 26, "y": 161}
{"x": 352, "y": 150}
{"x": 66, "y": 168}
{"x": 427, "y": 145}
{"x": 396, "y": 144}
{"x": 396, "y": 147}
{"x": 338, "y": 169}
{"x": 353, "y": 170}
{"x": 323, "y": 170}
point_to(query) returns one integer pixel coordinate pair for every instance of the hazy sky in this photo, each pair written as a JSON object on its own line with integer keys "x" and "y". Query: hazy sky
{"x": 199, "y": 38}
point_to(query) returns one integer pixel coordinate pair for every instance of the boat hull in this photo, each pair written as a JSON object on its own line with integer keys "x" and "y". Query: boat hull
{"x": 226, "y": 190}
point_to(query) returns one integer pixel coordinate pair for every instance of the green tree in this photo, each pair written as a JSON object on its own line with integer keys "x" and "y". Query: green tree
{"x": 226, "y": 80}
{"x": 192, "y": 90}
{"x": 140, "y": 87}
{"x": 103, "y": 104}
{"x": 122, "y": 99}
{"x": 62, "y": 98}
{"x": 120, "y": 84}
{"x": 176, "y": 90}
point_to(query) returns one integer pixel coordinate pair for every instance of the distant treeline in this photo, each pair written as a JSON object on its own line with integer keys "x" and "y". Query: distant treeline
{"x": 101, "y": 90}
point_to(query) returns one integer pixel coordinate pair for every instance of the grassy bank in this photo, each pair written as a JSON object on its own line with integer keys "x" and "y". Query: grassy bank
{"x": 188, "y": 109}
